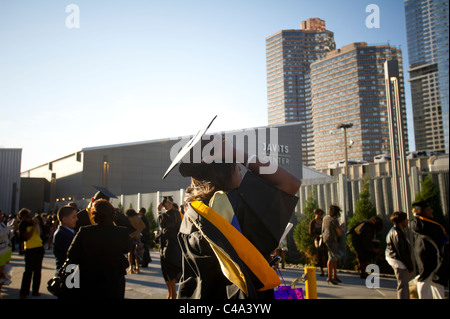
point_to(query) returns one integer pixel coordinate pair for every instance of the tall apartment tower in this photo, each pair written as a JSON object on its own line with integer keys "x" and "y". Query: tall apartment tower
{"x": 289, "y": 54}
{"x": 427, "y": 34}
{"x": 348, "y": 86}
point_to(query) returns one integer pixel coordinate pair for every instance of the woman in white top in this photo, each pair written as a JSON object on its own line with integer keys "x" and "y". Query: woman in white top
{"x": 5, "y": 252}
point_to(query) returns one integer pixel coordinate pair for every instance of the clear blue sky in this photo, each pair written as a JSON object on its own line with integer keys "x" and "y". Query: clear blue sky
{"x": 142, "y": 70}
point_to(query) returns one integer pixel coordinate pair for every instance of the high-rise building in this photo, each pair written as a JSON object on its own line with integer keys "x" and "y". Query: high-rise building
{"x": 427, "y": 32}
{"x": 348, "y": 87}
{"x": 289, "y": 54}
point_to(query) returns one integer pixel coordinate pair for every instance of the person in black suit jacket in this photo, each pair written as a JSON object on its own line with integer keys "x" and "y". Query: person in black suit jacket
{"x": 99, "y": 251}
{"x": 67, "y": 216}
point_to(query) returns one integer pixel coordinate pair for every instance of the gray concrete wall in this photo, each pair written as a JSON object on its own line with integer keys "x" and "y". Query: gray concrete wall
{"x": 10, "y": 161}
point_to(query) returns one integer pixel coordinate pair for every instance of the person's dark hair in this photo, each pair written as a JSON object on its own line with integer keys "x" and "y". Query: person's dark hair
{"x": 23, "y": 212}
{"x": 74, "y": 205}
{"x": 206, "y": 179}
{"x": 398, "y": 217}
{"x": 142, "y": 210}
{"x": 318, "y": 211}
{"x": 130, "y": 212}
{"x": 377, "y": 222}
{"x": 334, "y": 211}
{"x": 64, "y": 212}
{"x": 103, "y": 211}
{"x": 167, "y": 199}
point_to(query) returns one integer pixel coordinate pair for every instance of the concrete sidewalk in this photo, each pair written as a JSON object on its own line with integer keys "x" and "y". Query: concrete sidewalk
{"x": 351, "y": 287}
{"x": 149, "y": 283}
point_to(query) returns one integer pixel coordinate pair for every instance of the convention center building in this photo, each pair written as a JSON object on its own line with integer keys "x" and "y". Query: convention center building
{"x": 138, "y": 167}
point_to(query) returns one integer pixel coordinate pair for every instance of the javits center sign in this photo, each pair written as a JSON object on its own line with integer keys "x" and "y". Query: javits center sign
{"x": 273, "y": 145}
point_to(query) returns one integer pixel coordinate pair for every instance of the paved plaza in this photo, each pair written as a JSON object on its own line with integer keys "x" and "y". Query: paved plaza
{"x": 149, "y": 283}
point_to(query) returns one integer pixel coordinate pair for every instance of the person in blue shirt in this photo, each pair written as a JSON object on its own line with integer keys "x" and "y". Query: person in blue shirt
{"x": 67, "y": 217}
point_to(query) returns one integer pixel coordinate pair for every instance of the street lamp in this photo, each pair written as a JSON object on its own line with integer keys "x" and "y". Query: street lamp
{"x": 345, "y": 126}
{"x": 105, "y": 174}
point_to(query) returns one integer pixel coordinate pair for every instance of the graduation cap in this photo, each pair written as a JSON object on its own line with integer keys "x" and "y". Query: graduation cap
{"x": 421, "y": 204}
{"x": 103, "y": 193}
{"x": 188, "y": 147}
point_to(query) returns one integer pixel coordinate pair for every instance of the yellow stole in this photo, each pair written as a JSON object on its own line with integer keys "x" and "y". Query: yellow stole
{"x": 432, "y": 221}
{"x": 244, "y": 249}
{"x": 91, "y": 216}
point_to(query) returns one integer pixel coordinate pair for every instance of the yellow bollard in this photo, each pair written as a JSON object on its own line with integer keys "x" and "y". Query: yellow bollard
{"x": 310, "y": 283}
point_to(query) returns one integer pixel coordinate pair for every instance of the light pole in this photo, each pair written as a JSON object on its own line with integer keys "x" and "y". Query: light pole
{"x": 397, "y": 139}
{"x": 345, "y": 126}
{"x": 404, "y": 182}
{"x": 401, "y": 198}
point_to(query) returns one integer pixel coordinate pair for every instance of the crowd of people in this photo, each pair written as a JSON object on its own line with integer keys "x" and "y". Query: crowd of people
{"x": 429, "y": 249}
{"x": 220, "y": 242}
{"x": 217, "y": 245}
{"x": 112, "y": 245}
{"x": 104, "y": 265}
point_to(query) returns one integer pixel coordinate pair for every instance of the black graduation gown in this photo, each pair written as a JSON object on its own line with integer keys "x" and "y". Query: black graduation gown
{"x": 170, "y": 251}
{"x": 363, "y": 242}
{"x": 263, "y": 211}
{"x": 429, "y": 250}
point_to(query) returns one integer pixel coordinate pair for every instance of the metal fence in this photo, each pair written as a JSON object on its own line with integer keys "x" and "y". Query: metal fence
{"x": 326, "y": 193}
{"x": 332, "y": 192}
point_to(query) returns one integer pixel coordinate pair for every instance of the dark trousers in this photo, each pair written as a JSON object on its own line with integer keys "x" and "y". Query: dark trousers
{"x": 33, "y": 266}
{"x": 146, "y": 259}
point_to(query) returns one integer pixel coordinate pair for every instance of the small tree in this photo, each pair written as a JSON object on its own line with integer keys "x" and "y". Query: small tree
{"x": 430, "y": 192}
{"x": 364, "y": 208}
{"x": 303, "y": 240}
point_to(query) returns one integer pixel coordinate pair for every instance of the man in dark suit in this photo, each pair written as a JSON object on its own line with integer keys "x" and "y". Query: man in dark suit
{"x": 67, "y": 217}
{"x": 99, "y": 251}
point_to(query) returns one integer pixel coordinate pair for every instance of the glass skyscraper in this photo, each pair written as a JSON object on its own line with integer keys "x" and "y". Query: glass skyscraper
{"x": 348, "y": 86}
{"x": 289, "y": 54}
{"x": 427, "y": 31}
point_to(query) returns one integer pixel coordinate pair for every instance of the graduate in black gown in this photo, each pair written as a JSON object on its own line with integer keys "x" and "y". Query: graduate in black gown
{"x": 169, "y": 221}
{"x": 231, "y": 225}
{"x": 431, "y": 243}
